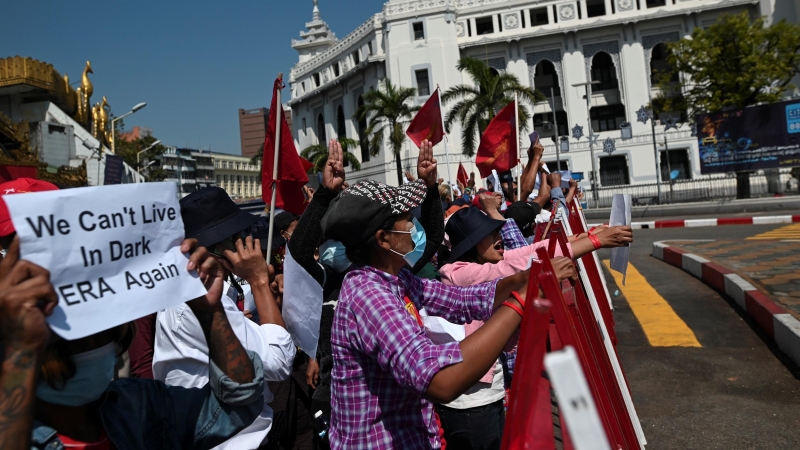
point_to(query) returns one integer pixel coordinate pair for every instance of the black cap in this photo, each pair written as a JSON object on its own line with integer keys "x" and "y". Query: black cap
{"x": 466, "y": 228}
{"x": 282, "y": 221}
{"x": 358, "y": 212}
{"x": 524, "y": 214}
{"x": 210, "y": 216}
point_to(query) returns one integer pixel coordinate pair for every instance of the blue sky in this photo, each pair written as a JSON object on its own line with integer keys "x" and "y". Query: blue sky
{"x": 195, "y": 63}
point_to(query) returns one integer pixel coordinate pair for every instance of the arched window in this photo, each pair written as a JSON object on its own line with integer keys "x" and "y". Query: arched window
{"x": 341, "y": 128}
{"x": 659, "y": 64}
{"x": 546, "y": 81}
{"x": 612, "y": 115}
{"x": 603, "y": 70}
{"x": 362, "y": 129}
{"x": 321, "y": 136}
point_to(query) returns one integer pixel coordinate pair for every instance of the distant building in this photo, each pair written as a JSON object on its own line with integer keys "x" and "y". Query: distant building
{"x": 237, "y": 175}
{"x": 181, "y": 169}
{"x": 252, "y": 129}
{"x": 136, "y": 133}
{"x": 551, "y": 45}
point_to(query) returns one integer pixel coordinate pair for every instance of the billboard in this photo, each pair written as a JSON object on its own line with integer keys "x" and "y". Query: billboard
{"x": 757, "y": 137}
{"x": 114, "y": 168}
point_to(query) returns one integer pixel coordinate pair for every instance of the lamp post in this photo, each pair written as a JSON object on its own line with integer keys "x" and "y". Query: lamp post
{"x": 555, "y": 124}
{"x": 133, "y": 110}
{"x": 138, "y": 169}
{"x": 593, "y": 180}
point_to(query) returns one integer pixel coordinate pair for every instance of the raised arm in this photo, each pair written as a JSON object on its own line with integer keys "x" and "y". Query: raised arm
{"x": 26, "y": 298}
{"x": 535, "y": 153}
{"x": 432, "y": 215}
{"x": 309, "y": 228}
{"x": 224, "y": 348}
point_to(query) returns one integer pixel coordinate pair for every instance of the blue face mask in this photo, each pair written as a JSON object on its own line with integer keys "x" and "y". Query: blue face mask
{"x": 333, "y": 255}
{"x": 94, "y": 370}
{"x": 420, "y": 240}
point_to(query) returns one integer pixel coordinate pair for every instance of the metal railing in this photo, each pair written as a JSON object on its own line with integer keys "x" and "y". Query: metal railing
{"x": 698, "y": 190}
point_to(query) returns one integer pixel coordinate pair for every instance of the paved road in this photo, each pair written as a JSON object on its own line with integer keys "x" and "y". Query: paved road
{"x": 734, "y": 391}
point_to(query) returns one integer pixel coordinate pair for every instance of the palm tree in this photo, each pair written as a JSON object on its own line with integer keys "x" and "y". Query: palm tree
{"x": 477, "y": 105}
{"x": 389, "y": 111}
{"x": 318, "y": 154}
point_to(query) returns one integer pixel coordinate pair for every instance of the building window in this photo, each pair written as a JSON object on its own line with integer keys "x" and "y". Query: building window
{"x": 678, "y": 161}
{"x": 316, "y": 79}
{"x": 321, "y": 137}
{"x": 303, "y": 85}
{"x": 656, "y": 3}
{"x": 419, "y": 31}
{"x": 539, "y": 17}
{"x": 614, "y": 171}
{"x": 335, "y": 70}
{"x": 659, "y": 64}
{"x": 341, "y": 128}
{"x": 546, "y": 77}
{"x": 595, "y": 8}
{"x": 305, "y": 127}
{"x": 423, "y": 83}
{"x": 356, "y": 58}
{"x": 560, "y": 166}
{"x": 606, "y": 118}
{"x": 603, "y": 70}
{"x": 369, "y": 47}
{"x": 544, "y": 124}
{"x": 363, "y": 139}
{"x": 484, "y": 25}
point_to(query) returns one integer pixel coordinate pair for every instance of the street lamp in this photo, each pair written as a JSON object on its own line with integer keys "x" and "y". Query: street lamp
{"x": 138, "y": 169}
{"x": 593, "y": 180}
{"x": 133, "y": 110}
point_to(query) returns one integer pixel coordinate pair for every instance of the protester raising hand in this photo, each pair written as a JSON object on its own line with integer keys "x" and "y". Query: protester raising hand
{"x": 26, "y": 298}
{"x": 491, "y": 204}
{"x": 426, "y": 164}
{"x": 333, "y": 175}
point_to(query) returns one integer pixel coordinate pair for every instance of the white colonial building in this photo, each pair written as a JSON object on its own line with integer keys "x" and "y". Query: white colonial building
{"x": 551, "y": 44}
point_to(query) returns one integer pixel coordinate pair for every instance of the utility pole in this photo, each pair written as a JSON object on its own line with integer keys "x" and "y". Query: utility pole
{"x": 588, "y": 86}
{"x": 555, "y": 123}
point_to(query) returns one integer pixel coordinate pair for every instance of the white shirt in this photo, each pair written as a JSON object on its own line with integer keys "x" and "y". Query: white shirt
{"x": 181, "y": 358}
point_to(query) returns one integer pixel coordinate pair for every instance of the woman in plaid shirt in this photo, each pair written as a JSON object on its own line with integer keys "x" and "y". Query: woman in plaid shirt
{"x": 387, "y": 372}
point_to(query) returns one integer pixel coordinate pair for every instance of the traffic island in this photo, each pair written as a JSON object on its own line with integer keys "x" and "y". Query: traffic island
{"x": 762, "y": 278}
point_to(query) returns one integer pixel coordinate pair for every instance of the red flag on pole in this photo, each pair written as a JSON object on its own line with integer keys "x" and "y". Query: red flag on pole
{"x": 462, "y": 175}
{"x": 291, "y": 173}
{"x": 427, "y": 124}
{"x": 499, "y": 143}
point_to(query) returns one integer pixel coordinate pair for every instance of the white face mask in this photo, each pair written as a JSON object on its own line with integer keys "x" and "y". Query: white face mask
{"x": 94, "y": 371}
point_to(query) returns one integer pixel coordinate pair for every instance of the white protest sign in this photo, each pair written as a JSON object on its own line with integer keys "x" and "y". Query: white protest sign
{"x": 113, "y": 252}
{"x": 495, "y": 180}
{"x": 620, "y": 217}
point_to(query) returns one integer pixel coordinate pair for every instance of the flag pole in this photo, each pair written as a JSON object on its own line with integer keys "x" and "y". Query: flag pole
{"x": 446, "y": 140}
{"x": 278, "y": 105}
{"x": 519, "y": 160}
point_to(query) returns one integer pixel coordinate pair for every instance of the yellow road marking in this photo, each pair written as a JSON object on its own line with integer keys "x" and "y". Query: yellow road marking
{"x": 660, "y": 323}
{"x": 787, "y": 232}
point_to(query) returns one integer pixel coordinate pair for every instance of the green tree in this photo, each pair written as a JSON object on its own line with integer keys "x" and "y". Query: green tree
{"x": 389, "y": 110}
{"x": 318, "y": 155}
{"x": 477, "y": 105}
{"x": 734, "y": 63}
{"x": 129, "y": 149}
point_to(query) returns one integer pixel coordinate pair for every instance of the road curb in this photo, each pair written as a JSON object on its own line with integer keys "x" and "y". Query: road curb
{"x": 690, "y": 223}
{"x": 772, "y": 317}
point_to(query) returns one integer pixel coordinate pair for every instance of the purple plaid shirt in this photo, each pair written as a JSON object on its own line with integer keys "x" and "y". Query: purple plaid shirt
{"x": 512, "y": 238}
{"x": 384, "y": 362}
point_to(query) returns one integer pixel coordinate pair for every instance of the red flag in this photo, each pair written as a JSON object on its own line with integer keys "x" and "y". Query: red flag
{"x": 307, "y": 165}
{"x": 427, "y": 124}
{"x": 291, "y": 173}
{"x": 461, "y": 176}
{"x": 499, "y": 143}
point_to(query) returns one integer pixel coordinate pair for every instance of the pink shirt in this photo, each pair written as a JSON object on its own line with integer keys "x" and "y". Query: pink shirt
{"x": 514, "y": 261}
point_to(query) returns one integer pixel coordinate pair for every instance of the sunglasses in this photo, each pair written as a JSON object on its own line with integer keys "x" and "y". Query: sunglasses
{"x": 227, "y": 244}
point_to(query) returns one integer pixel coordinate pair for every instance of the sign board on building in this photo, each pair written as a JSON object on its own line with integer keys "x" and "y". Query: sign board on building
{"x": 757, "y": 137}
{"x": 114, "y": 168}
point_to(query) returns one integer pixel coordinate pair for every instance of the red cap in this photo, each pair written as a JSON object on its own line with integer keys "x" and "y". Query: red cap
{"x": 18, "y": 186}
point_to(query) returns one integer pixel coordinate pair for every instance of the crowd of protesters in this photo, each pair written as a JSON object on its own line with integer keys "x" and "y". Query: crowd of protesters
{"x": 424, "y": 289}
